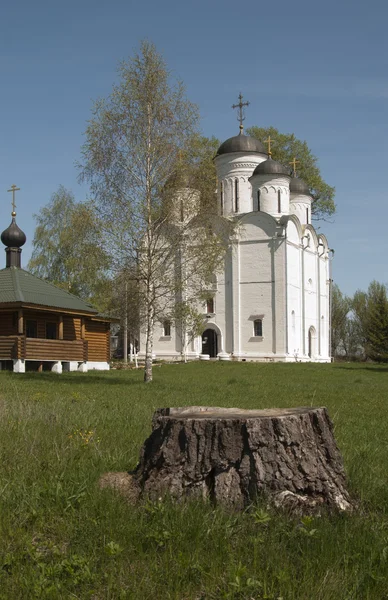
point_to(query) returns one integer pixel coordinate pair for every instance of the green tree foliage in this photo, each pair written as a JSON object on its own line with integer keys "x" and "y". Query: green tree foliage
{"x": 285, "y": 147}
{"x": 66, "y": 248}
{"x": 141, "y": 145}
{"x": 376, "y": 336}
{"x": 340, "y": 308}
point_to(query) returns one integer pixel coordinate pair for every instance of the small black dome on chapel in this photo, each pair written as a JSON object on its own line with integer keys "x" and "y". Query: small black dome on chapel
{"x": 13, "y": 236}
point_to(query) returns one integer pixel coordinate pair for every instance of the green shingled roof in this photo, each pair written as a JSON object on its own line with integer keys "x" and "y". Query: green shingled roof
{"x": 17, "y": 285}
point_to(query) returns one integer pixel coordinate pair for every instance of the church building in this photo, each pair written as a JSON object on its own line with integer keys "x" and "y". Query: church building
{"x": 271, "y": 302}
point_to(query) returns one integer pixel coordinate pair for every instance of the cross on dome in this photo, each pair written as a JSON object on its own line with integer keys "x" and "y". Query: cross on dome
{"x": 293, "y": 163}
{"x": 240, "y": 106}
{"x": 13, "y": 190}
{"x": 269, "y": 141}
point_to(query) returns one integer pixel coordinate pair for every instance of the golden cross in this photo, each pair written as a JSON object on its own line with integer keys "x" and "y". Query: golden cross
{"x": 293, "y": 163}
{"x": 240, "y": 107}
{"x": 13, "y": 190}
{"x": 268, "y": 141}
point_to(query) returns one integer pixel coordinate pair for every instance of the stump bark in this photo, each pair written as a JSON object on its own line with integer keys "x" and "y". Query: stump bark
{"x": 232, "y": 456}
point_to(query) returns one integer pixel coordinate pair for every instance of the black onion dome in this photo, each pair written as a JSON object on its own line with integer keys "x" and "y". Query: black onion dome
{"x": 241, "y": 143}
{"x": 13, "y": 236}
{"x": 298, "y": 186}
{"x": 271, "y": 167}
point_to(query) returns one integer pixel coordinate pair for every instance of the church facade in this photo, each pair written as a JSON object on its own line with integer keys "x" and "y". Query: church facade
{"x": 271, "y": 302}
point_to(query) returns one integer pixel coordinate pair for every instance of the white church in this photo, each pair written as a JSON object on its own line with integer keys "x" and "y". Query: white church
{"x": 272, "y": 300}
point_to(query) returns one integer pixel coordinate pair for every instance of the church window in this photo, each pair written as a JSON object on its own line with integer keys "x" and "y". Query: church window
{"x": 307, "y": 216}
{"x": 279, "y": 202}
{"x": 236, "y": 195}
{"x": 258, "y": 199}
{"x": 293, "y": 320}
{"x": 182, "y": 214}
{"x": 210, "y": 305}
{"x": 222, "y": 198}
{"x": 167, "y": 328}
{"x": 258, "y": 328}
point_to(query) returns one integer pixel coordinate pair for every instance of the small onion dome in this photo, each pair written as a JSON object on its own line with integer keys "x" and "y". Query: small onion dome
{"x": 271, "y": 167}
{"x": 13, "y": 236}
{"x": 241, "y": 143}
{"x": 298, "y": 186}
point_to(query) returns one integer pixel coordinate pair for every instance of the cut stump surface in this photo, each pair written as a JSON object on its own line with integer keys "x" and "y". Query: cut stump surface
{"x": 232, "y": 456}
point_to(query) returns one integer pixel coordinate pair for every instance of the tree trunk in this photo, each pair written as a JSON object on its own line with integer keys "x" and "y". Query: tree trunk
{"x": 149, "y": 340}
{"x": 232, "y": 456}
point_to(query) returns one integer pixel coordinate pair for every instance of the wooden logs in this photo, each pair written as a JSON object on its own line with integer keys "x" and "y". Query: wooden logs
{"x": 232, "y": 456}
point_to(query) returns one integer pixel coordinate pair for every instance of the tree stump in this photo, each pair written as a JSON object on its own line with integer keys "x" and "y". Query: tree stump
{"x": 232, "y": 456}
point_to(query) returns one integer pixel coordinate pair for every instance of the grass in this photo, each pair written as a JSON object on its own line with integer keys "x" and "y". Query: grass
{"x": 63, "y": 537}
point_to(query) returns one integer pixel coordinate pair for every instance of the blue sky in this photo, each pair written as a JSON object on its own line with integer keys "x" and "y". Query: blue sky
{"x": 318, "y": 70}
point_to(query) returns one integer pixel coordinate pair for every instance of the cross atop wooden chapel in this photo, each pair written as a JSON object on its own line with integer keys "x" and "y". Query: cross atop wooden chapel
{"x": 13, "y": 190}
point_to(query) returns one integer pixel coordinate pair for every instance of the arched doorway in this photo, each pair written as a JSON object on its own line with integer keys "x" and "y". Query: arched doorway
{"x": 209, "y": 343}
{"x": 312, "y": 350}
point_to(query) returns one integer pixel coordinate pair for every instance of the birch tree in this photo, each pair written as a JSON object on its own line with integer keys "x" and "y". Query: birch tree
{"x": 143, "y": 173}
{"x": 67, "y": 251}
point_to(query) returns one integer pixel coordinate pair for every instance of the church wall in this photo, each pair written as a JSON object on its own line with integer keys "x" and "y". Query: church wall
{"x": 311, "y": 307}
{"x": 324, "y": 306}
{"x": 231, "y": 167}
{"x": 294, "y": 300}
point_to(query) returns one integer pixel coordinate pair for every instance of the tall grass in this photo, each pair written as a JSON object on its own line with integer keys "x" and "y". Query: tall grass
{"x": 63, "y": 537}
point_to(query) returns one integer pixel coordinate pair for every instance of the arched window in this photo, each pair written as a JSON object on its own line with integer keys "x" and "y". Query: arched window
{"x": 236, "y": 195}
{"x": 307, "y": 216}
{"x": 258, "y": 328}
{"x": 222, "y": 197}
{"x": 210, "y": 305}
{"x": 258, "y": 199}
{"x": 167, "y": 328}
{"x": 293, "y": 320}
{"x": 279, "y": 202}
{"x": 182, "y": 212}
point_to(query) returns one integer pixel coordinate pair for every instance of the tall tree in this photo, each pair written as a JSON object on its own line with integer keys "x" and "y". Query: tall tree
{"x": 141, "y": 161}
{"x": 340, "y": 308}
{"x": 377, "y": 322}
{"x": 66, "y": 248}
{"x": 285, "y": 147}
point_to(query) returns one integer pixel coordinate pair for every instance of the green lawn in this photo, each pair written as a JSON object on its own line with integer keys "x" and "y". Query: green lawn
{"x": 63, "y": 537}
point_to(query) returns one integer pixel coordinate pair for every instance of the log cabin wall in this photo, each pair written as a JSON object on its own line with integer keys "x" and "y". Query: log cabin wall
{"x": 8, "y": 323}
{"x": 97, "y": 334}
{"x": 71, "y": 328}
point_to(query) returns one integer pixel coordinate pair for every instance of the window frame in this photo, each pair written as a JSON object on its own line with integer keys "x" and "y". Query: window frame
{"x": 28, "y": 325}
{"x": 258, "y": 333}
{"x": 167, "y": 328}
{"x": 210, "y": 305}
{"x": 55, "y": 325}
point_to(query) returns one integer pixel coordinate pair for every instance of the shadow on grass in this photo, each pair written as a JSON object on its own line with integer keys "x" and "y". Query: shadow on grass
{"x": 80, "y": 378}
{"x": 376, "y": 368}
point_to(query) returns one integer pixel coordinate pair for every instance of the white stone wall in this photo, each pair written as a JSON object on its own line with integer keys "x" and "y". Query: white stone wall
{"x": 300, "y": 206}
{"x": 274, "y": 194}
{"x": 231, "y": 167}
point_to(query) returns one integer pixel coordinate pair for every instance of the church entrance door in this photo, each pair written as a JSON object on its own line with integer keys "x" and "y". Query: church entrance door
{"x": 209, "y": 343}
